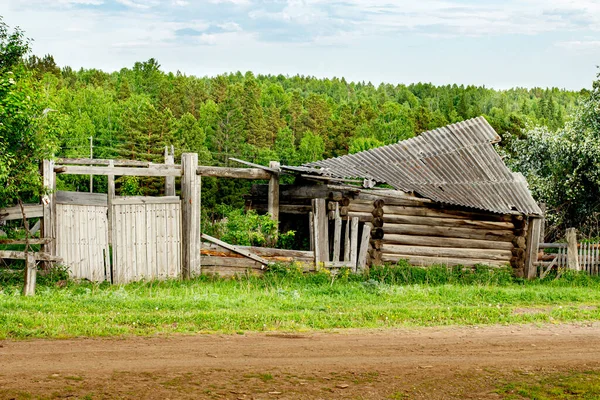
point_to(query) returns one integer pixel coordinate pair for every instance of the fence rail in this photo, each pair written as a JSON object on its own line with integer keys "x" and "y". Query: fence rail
{"x": 583, "y": 256}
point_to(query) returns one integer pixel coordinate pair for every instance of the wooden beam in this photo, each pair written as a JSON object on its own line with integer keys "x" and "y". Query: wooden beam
{"x": 354, "y": 243}
{"x": 445, "y": 252}
{"x": 169, "y": 180}
{"x": 273, "y": 197}
{"x": 233, "y": 173}
{"x": 572, "y": 252}
{"x": 337, "y": 233}
{"x": 30, "y": 275}
{"x": 146, "y": 200}
{"x": 533, "y": 243}
{"x": 364, "y": 247}
{"x": 81, "y": 198}
{"x": 110, "y": 221}
{"x": 504, "y": 235}
{"x": 426, "y": 261}
{"x": 270, "y": 169}
{"x": 23, "y": 241}
{"x": 100, "y": 161}
{"x": 49, "y": 208}
{"x": 447, "y": 242}
{"x": 236, "y": 249}
{"x": 14, "y": 213}
{"x": 117, "y": 171}
{"x": 20, "y": 255}
{"x": 190, "y": 215}
{"x": 452, "y": 222}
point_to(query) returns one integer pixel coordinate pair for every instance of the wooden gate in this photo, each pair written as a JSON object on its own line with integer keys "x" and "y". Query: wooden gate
{"x": 82, "y": 234}
{"x": 146, "y": 237}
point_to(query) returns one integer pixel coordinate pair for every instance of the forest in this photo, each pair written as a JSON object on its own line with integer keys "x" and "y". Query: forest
{"x": 551, "y": 135}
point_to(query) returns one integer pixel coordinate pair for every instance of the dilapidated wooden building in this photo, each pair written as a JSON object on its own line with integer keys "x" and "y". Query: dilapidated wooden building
{"x": 444, "y": 197}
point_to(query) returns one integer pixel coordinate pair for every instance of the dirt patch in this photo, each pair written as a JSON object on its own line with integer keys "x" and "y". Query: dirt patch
{"x": 433, "y": 363}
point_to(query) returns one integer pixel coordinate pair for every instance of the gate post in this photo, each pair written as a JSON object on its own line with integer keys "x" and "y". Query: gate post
{"x": 49, "y": 207}
{"x": 190, "y": 216}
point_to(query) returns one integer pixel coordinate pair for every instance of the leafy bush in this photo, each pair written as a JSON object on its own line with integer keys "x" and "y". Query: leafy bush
{"x": 249, "y": 229}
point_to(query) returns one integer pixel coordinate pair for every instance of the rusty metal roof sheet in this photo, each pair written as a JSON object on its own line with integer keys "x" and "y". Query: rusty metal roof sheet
{"x": 455, "y": 164}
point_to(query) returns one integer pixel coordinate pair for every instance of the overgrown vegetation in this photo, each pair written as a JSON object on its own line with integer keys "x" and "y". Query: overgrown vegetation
{"x": 574, "y": 385}
{"x": 284, "y": 299}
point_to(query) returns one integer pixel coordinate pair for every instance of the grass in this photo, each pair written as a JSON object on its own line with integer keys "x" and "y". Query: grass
{"x": 574, "y": 385}
{"x": 285, "y": 300}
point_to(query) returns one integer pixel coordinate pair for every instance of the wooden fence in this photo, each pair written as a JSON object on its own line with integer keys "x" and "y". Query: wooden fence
{"x": 578, "y": 256}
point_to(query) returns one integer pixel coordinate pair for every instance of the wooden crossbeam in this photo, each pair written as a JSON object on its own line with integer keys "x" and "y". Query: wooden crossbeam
{"x": 235, "y": 249}
{"x": 152, "y": 170}
{"x": 20, "y": 255}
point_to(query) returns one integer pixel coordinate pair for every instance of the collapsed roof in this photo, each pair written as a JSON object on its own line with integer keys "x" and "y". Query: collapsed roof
{"x": 456, "y": 164}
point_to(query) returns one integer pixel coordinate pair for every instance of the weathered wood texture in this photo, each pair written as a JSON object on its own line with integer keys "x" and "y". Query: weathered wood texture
{"x": 572, "y": 252}
{"x": 153, "y": 170}
{"x": 21, "y": 255}
{"x": 81, "y": 198}
{"x": 239, "y": 173}
{"x": 14, "y": 213}
{"x": 190, "y": 200}
{"x": 427, "y": 261}
{"x": 235, "y": 249}
{"x": 169, "y": 180}
{"x": 82, "y": 240}
{"x": 146, "y": 241}
{"x": 533, "y": 242}
{"x": 274, "y": 192}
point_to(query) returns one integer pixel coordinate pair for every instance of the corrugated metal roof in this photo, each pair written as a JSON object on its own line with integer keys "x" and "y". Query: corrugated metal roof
{"x": 455, "y": 164}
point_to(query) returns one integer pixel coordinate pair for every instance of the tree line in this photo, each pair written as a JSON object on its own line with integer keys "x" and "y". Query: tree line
{"x": 135, "y": 112}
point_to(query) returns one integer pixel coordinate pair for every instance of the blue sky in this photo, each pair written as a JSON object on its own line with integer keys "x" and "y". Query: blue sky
{"x": 499, "y": 44}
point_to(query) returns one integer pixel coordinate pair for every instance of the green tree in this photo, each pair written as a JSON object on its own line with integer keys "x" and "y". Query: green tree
{"x": 312, "y": 148}
{"x": 27, "y": 128}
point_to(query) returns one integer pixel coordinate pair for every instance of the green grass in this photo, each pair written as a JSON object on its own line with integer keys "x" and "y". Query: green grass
{"x": 284, "y": 300}
{"x": 575, "y": 385}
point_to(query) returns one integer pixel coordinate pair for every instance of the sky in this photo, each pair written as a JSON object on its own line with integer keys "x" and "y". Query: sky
{"x": 499, "y": 44}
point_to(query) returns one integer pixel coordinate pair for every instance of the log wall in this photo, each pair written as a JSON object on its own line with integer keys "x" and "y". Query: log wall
{"x": 416, "y": 229}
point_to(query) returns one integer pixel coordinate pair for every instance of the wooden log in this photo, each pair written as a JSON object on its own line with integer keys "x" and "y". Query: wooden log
{"x": 23, "y": 241}
{"x": 344, "y": 211}
{"x": 235, "y": 249}
{"x": 169, "y": 180}
{"x": 132, "y": 200}
{"x": 447, "y": 242}
{"x": 377, "y": 233}
{"x": 451, "y": 262}
{"x": 311, "y": 230}
{"x": 265, "y": 252}
{"x": 321, "y": 227}
{"x": 572, "y": 252}
{"x": 30, "y": 275}
{"x": 233, "y": 173}
{"x": 445, "y": 213}
{"x": 395, "y": 201}
{"x": 14, "y": 213}
{"x": 451, "y": 222}
{"x": 235, "y": 262}
{"x": 447, "y": 231}
{"x": 520, "y": 242}
{"x": 520, "y": 253}
{"x": 100, "y": 161}
{"x": 377, "y": 212}
{"x": 533, "y": 242}
{"x": 345, "y": 202}
{"x": 20, "y": 255}
{"x": 117, "y": 171}
{"x": 190, "y": 216}
{"x": 445, "y": 252}
{"x": 354, "y": 243}
{"x": 362, "y": 216}
{"x": 361, "y": 263}
{"x": 294, "y": 209}
{"x": 273, "y": 197}
{"x": 335, "y": 196}
{"x": 49, "y": 209}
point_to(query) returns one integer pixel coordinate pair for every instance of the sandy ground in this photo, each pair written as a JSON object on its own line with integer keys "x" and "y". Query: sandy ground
{"x": 406, "y": 363}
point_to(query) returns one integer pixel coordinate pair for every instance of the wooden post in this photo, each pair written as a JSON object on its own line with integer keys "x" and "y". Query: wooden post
{"x": 169, "y": 180}
{"x": 49, "y": 208}
{"x": 533, "y": 243}
{"x": 337, "y": 233}
{"x": 354, "y": 243}
{"x": 572, "y": 257}
{"x": 109, "y": 217}
{"x": 30, "y": 275}
{"x": 543, "y": 226}
{"x": 347, "y": 244}
{"x": 190, "y": 213}
{"x": 274, "y": 192}
{"x": 364, "y": 247}
{"x": 321, "y": 240}
{"x": 311, "y": 229}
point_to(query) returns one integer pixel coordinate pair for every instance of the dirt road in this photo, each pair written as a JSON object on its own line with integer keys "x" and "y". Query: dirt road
{"x": 410, "y": 363}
